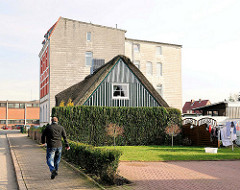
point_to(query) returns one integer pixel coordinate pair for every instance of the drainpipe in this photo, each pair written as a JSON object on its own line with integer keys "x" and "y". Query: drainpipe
{"x": 25, "y": 114}
{"x": 132, "y": 52}
{"x": 7, "y": 114}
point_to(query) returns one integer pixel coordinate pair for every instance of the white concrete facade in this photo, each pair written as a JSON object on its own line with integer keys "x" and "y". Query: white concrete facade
{"x": 167, "y": 78}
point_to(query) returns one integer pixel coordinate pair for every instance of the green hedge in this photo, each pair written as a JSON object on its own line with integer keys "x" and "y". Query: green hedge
{"x": 99, "y": 162}
{"x": 142, "y": 126}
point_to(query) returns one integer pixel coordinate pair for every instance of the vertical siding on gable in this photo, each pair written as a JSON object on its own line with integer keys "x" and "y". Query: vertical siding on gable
{"x": 138, "y": 94}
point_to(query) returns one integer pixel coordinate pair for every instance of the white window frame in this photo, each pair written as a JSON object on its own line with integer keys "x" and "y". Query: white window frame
{"x": 149, "y": 67}
{"x": 120, "y": 97}
{"x": 159, "y": 50}
{"x": 136, "y": 48}
{"x": 137, "y": 64}
{"x": 159, "y": 88}
{"x": 89, "y": 36}
{"x": 159, "y": 68}
{"x": 88, "y": 55}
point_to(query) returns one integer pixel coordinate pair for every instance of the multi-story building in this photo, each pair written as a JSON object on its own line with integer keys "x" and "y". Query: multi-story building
{"x": 161, "y": 64}
{"x": 19, "y": 113}
{"x": 71, "y": 46}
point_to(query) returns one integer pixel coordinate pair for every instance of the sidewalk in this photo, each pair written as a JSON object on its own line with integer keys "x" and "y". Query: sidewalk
{"x": 33, "y": 173}
{"x": 7, "y": 173}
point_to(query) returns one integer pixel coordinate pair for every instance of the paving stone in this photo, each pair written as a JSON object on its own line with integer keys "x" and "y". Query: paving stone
{"x": 31, "y": 159}
{"x": 182, "y": 175}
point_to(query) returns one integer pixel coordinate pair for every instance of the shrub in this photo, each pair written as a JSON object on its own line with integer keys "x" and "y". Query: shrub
{"x": 99, "y": 162}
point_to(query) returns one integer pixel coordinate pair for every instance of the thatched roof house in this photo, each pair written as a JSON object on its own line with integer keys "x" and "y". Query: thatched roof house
{"x": 116, "y": 83}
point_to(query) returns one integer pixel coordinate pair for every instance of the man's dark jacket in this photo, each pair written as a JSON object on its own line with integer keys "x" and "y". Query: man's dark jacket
{"x": 54, "y": 134}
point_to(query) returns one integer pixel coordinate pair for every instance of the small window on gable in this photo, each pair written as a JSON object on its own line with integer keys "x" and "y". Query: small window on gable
{"x": 88, "y": 58}
{"x": 136, "y": 47}
{"x": 137, "y": 64}
{"x": 159, "y": 50}
{"x": 149, "y": 69}
{"x": 120, "y": 91}
{"x": 89, "y": 37}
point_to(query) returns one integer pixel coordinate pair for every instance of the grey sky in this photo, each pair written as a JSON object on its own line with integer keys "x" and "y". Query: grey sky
{"x": 209, "y": 31}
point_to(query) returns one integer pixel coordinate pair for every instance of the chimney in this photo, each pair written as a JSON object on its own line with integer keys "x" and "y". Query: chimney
{"x": 192, "y": 101}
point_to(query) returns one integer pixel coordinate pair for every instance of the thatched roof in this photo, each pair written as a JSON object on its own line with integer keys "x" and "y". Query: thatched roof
{"x": 83, "y": 90}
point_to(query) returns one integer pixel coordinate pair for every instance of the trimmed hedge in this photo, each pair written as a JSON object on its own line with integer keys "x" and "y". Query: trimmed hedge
{"x": 99, "y": 162}
{"x": 142, "y": 126}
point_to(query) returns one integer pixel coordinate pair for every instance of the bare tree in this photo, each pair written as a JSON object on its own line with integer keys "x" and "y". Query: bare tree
{"x": 172, "y": 130}
{"x": 114, "y": 131}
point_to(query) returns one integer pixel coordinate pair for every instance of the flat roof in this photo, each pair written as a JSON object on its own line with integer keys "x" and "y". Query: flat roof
{"x": 147, "y": 41}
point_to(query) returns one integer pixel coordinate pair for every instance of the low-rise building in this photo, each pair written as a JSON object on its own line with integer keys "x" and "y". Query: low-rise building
{"x": 190, "y": 107}
{"x": 19, "y": 113}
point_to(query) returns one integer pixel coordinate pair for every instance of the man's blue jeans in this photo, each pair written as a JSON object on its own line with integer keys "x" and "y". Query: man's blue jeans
{"x": 53, "y": 158}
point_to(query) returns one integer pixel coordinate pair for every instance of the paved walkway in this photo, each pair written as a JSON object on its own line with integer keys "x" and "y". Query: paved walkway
{"x": 32, "y": 162}
{"x": 194, "y": 175}
{"x": 7, "y": 173}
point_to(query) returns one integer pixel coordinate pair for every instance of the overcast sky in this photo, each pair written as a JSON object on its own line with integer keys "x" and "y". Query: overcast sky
{"x": 208, "y": 30}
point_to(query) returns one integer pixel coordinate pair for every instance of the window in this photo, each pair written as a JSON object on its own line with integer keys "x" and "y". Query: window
{"x": 2, "y": 122}
{"x": 40, "y": 113}
{"x": 46, "y": 114}
{"x": 137, "y": 64}
{"x": 2, "y": 104}
{"x": 159, "y": 69}
{"x": 22, "y": 105}
{"x": 149, "y": 68}
{"x": 89, "y": 36}
{"x": 159, "y": 50}
{"x": 29, "y": 105}
{"x": 88, "y": 58}
{"x": 35, "y": 105}
{"x": 13, "y": 105}
{"x": 136, "y": 47}
{"x": 43, "y": 111}
{"x": 120, "y": 91}
{"x": 159, "y": 89}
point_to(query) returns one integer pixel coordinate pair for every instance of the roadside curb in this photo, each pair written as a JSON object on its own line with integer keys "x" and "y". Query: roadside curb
{"x": 77, "y": 170}
{"x": 20, "y": 181}
{"x": 85, "y": 175}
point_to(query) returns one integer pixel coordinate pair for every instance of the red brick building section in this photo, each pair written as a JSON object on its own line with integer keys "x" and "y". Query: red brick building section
{"x": 189, "y": 106}
{"x": 19, "y": 113}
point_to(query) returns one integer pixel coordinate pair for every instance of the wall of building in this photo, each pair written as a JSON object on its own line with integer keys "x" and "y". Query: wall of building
{"x": 28, "y": 112}
{"x": 68, "y": 45}
{"x": 171, "y": 79}
{"x": 65, "y": 52}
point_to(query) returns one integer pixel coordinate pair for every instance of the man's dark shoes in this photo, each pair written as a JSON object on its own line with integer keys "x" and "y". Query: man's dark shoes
{"x": 54, "y": 174}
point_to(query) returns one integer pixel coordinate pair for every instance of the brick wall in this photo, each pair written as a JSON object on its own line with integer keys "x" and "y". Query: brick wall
{"x": 3, "y": 113}
{"x": 32, "y": 113}
{"x": 14, "y": 113}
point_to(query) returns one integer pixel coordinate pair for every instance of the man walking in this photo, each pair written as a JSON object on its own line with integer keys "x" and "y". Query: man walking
{"x": 53, "y": 135}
